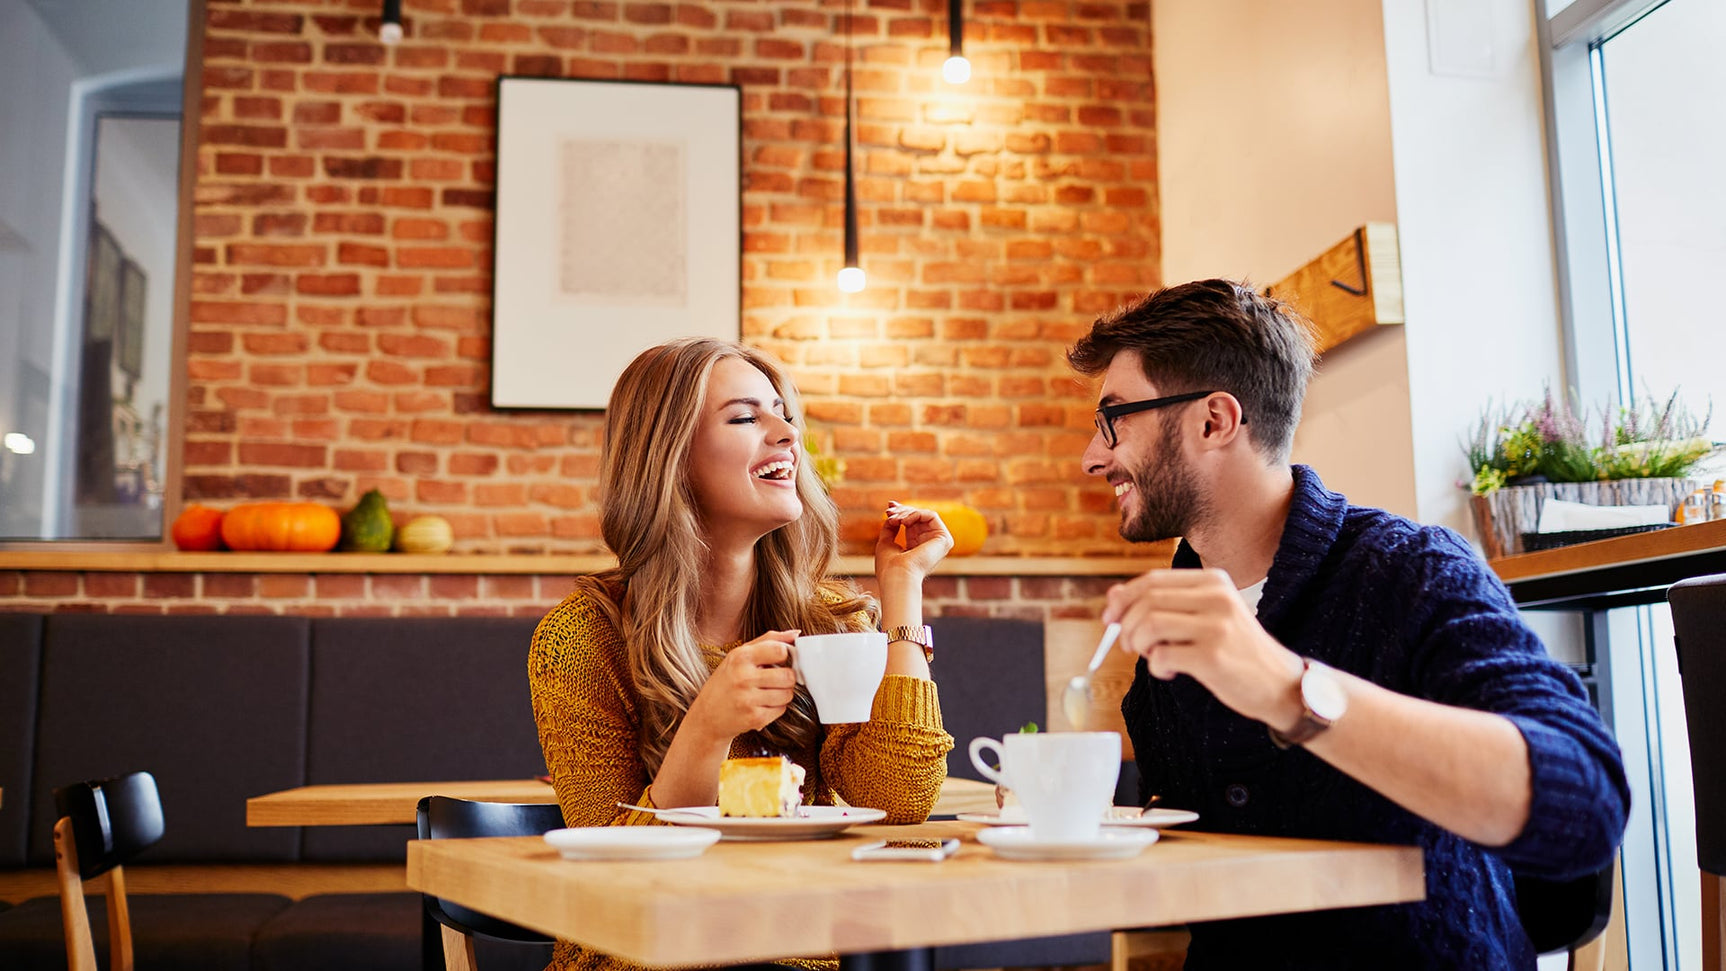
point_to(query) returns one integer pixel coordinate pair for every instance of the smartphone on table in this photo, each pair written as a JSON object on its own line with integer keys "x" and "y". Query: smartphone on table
{"x": 927, "y": 850}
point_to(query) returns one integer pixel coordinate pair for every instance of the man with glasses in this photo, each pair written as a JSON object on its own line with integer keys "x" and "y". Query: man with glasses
{"x": 1316, "y": 669}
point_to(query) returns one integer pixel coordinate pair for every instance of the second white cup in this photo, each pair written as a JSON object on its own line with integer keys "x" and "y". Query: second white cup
{"x": 842, "y": 672}
{"x": 1065, "y": 780}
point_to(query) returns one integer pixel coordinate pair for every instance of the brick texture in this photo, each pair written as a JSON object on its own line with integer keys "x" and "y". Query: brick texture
{"x": 340, "y": 318}
{"x": 464, "y": 595}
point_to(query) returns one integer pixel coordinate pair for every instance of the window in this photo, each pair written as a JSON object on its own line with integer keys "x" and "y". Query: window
{"x": 1664, "y": 108}
{"x": 91, "y": 95}
{"x": 1635, "y": 140}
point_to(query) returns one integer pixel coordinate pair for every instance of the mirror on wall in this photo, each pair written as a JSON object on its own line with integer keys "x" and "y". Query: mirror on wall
{"x": 91, "y": 95}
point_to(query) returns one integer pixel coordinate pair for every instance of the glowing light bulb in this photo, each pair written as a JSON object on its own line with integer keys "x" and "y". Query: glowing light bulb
{"x": 21, "y": 443}
{"x": 390, "y": 33}
{"x": 956, "y": 70}
{"x": 851, "y": 279}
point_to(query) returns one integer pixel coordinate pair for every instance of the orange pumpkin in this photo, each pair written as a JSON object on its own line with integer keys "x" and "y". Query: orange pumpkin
{"x": 282, "y": 526}
{"x": 198, "y": 528}
{"x": 967, "y": 525}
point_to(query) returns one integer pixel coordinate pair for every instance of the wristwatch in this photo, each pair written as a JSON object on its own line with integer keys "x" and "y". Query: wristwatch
{"x": 1322, "y": 699}
{"x": 922, "y": 636}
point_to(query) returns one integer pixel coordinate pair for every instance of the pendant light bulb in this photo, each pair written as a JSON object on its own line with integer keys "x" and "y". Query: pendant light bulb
{"x": 956, "y": 70}
{"x": 852, "y": 279}
{"x": 390, "y": 32}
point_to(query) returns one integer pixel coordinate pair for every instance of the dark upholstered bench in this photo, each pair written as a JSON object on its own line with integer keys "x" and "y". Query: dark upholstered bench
{"x": 223, "y": 708}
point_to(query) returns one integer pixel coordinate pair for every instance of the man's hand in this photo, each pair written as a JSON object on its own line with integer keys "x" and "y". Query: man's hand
{"x": 1193, "y": 622}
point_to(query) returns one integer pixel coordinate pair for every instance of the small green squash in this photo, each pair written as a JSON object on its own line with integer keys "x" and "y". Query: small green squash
{"x": 367, "y": 528}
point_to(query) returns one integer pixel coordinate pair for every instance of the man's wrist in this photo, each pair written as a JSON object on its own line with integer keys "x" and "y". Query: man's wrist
{"x": 1323, "y": 699}
{"x": 1286, "y": 709}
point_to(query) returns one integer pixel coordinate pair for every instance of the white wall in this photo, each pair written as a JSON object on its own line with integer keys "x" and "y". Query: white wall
{"x": 36, "y": 74}
{"x": 116, "y": 35}
{"x": 1273, "y": 126}
{"x": 1283, "y": 126}
{"x": 1479, "y": 274}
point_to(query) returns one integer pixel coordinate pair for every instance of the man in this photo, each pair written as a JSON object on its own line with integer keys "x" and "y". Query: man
{"x": 1317, "y": 669}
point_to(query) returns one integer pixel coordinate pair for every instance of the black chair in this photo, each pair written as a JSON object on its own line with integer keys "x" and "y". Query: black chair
{"x": 1699, "y": 628}
{"x": 1563, "y": 915}
{"x": 443, "y": 817}
{"x": 102, "y": 825}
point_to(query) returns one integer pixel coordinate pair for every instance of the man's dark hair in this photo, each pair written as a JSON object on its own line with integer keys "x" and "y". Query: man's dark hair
{"x": 1214, "y": 335}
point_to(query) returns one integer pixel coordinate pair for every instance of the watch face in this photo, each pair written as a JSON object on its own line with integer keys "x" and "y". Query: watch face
{"x": 1323, "y": 692}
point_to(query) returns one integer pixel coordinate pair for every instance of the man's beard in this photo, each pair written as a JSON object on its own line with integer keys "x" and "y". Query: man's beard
{"x": 1167, "y": 494}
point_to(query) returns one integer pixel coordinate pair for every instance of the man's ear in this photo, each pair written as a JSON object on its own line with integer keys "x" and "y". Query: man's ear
{"x": 1222, "y": 419}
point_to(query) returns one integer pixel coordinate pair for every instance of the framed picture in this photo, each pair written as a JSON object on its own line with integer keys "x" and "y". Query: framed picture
{"x": 618, "y": 227}
{"x": 129, "y": 337}
{"x": 102, "y": 306}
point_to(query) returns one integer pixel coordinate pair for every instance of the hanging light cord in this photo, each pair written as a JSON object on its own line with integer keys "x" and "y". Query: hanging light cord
{"x": 850, "y": 178}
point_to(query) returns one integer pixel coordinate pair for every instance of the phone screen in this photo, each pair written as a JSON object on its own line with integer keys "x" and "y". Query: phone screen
{"x": 930, "y": 850}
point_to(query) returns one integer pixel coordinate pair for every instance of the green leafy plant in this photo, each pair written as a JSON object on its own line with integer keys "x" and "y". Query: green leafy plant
{"x": 1547, "y": 441}
{"x": 828, "y": 468}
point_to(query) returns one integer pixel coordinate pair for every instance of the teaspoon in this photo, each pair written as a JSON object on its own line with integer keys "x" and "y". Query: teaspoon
{"x": 1076, "y": 700}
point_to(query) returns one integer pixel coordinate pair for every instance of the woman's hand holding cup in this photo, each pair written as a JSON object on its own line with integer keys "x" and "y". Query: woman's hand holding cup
{"x": 748, "y": 690}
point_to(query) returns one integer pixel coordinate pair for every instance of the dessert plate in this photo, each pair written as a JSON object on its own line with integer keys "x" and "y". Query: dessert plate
{"x": 1015, "y": 843}
{"x": 630, "y": 842}
{"x": 811, "y": 822}
{"x": 1116, "y": 816}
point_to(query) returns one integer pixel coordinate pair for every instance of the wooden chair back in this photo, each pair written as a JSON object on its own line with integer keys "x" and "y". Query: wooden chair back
{"x": 102, "y": 824}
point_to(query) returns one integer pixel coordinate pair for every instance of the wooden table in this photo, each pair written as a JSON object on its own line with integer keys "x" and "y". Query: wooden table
{"x": 736, "y": 902}
{"x": 379, "y": 803}
{"x": 383, "y": 803}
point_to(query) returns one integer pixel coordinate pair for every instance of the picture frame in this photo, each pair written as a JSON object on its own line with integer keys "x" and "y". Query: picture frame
{"x": 102, "y": 297}
{"x": 618, "y": 227}
{"x": 129, "y": 334}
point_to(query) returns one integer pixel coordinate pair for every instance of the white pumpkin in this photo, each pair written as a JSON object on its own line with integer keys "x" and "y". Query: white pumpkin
{"x": 425, "y": 534}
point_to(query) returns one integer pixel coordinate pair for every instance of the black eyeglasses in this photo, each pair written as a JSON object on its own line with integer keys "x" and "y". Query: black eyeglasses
{"x": 1107, "y": 414}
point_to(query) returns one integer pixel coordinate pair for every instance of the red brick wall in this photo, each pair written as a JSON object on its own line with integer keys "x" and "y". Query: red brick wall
{"x": 341, "y": 312}
{"x": 459, "y": 594}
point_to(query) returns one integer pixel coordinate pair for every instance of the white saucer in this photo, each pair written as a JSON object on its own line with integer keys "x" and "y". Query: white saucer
{"x": 1015, "y": 843}
{"x": 1116, "y": 816}
{"x": 811, "y": 822}
{"x": 631, "y": 842}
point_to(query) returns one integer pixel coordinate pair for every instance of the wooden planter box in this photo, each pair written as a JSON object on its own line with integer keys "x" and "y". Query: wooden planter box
{"x": 1502, "y": 516}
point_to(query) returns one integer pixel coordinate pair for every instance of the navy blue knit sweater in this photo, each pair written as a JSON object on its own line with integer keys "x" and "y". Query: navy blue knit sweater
{"x": 1411, "y": 608}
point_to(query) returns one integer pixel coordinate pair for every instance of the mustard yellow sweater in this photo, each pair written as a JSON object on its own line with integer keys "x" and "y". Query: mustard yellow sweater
{"x": 586, "y": 707}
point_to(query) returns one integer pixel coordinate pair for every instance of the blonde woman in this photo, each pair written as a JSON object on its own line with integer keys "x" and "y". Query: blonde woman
{"x": 647, "y": 677}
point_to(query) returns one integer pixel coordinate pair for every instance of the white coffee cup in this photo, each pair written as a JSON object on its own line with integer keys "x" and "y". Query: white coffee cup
{"x": 1065, "y": 780}
{"x": 842, "y": 672}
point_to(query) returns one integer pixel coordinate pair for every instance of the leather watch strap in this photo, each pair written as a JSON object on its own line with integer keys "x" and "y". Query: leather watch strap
{"x": 1311, "y": 722}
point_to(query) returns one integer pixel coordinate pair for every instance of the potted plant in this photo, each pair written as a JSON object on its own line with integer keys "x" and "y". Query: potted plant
{"x": 1524, "y": 454}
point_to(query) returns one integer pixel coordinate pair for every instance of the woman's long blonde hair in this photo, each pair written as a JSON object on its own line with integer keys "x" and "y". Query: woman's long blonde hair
{"x": 649, "y": 519}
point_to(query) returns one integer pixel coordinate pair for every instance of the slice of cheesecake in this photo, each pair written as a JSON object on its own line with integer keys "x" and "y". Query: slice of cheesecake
{"x": 760, "y": 787}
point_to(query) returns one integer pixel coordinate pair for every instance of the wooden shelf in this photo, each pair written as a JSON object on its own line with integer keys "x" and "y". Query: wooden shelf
{"x": 543, "y": 563}
{"x": 1610, "y": 572}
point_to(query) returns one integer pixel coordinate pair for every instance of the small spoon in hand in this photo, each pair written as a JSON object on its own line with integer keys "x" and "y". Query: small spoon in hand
{"x": 1076, "y": 700}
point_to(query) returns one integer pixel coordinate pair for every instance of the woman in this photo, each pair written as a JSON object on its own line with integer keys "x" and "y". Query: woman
{"x": 647, "y": 677}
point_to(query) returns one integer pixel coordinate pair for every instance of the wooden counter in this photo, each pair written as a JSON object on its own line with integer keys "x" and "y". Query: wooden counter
{"x": 1618, "y": 572}
{"x": 532, "y": 563}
